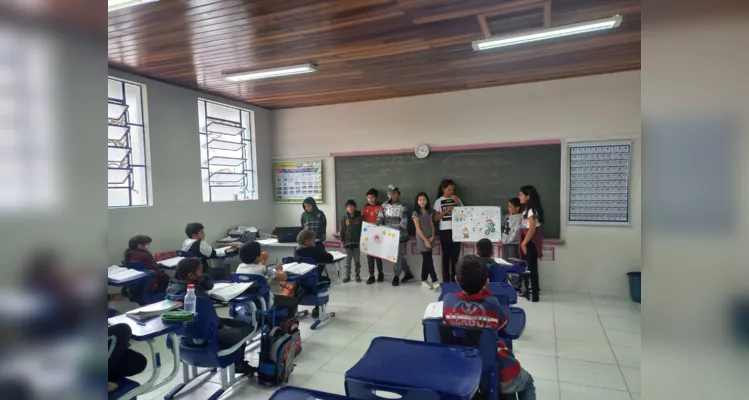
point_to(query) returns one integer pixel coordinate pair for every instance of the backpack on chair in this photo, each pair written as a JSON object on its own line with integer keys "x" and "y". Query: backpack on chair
{"x": 277, "y": 352}
{"x": 291, "y": 327}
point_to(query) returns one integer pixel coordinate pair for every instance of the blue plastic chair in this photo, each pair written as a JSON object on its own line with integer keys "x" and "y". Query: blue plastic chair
{"x": 487, "y": 347}
{"x": 199, "y": 347}
{"x": 316, "y": 293}
{"x": 515, "y": 322}
{"x": 123, "y": 387}
{"x": 297, "y": 393}
{"x": 497, "y": 273}
{"x": 503, "y": 291}
{"x": 258, "y": 300}
{"x": 141, "y": 285}
{"x": 371, "y": 391}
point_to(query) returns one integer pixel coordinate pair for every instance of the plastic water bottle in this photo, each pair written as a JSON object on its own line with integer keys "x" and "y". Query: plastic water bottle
{"x": 189, "y": 304}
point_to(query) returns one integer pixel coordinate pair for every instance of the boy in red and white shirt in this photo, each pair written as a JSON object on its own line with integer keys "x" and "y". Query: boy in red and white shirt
{"x": 369, "y": 214}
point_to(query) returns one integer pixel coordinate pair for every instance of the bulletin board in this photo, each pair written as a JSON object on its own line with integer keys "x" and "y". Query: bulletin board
{"x": 599, "y": 183}
{"x": 296, "y": 180}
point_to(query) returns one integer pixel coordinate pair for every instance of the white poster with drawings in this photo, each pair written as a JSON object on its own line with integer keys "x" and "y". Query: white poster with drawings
{"x": 471, "y": 224}
{"x": 379, "y": 241}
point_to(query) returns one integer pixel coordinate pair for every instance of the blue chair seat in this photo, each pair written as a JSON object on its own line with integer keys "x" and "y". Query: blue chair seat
{"x": 297, "y": 393}
{"x": 123, "y": 386}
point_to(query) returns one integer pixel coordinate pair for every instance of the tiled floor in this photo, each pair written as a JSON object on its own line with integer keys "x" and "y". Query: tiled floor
{"x": 576, "y": 346}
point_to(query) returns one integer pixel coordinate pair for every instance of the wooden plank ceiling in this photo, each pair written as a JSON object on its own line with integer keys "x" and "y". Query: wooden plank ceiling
{"x": 364, "y": 49}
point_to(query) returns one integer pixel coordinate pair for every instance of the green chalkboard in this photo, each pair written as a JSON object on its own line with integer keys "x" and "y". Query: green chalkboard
{"x": 487, "y": 177}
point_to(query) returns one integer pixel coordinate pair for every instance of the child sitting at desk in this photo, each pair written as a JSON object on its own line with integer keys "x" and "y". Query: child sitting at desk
{"x": 230, "y": 331}
{"x": 308, "y": 249}
{"x": 123, "y": 361}
{"x": 484, "y": 250}
{"x": 139, "y": 250}
{"x": 197, "y": 246}
{"x": 254, "y": 262}
{"x": 475, "y": 307}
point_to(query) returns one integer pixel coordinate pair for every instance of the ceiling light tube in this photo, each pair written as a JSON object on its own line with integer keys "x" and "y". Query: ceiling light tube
{"x": 547, "y": 33}
{"x": 270, "y": 73}
{"x": 120, "y": 4}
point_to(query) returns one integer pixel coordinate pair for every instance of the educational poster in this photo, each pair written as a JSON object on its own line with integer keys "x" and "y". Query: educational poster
{"x": 380, "y": 241}
{"x": 599, "y": 183}
{"x": 471, "y": 224}
{"x": 297, "y": 180}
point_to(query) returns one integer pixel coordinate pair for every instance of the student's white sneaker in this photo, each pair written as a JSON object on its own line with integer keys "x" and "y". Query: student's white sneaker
{"x": 427, "y": 285}
{"x": 436, "y": 286}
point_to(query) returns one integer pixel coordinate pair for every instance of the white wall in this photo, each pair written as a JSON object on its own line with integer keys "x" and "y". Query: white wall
{"x": 175, "y": 168}
{"x": 594, "y": 259}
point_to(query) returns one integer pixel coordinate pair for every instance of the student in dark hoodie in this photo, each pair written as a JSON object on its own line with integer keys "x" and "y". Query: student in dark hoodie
{"x": 230, "y": 331}
{"x": 350, "y": 236}
{"x": 314, "y": 220}
{"x": 393, "y": 214}
{"x": 139, "y": 250}
{"x": 307, "y": 249}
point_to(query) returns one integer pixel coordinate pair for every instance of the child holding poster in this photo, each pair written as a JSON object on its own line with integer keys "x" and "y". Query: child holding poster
{"x": 395, "y": 215}
{"x": 369, "y": 214}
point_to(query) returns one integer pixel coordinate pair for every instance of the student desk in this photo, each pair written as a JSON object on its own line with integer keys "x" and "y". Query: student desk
{"x": 504, "y": 292}
{"x": 453, "y": 372}
{"x": 148, "y": 332}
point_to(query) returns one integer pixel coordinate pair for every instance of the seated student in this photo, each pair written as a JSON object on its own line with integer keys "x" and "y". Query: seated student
{"x": 123, "y": 361}
{"x": 484, "y": 250}
{"x": 307, "y": 249}
{"x": 139, "y": 250}
{"x": 254, "y": 262}
{"x": 230, "y": 332}
{"x": 196, "y": 244}
{"x": 474, "y": 307}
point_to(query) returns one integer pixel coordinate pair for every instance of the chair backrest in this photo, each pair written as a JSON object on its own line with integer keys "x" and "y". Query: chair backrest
{"x": 484, "y": 340}
{"x": 260, "y": 279}
{"x": 203, "y": 329}
{"x": 373, "y": 391}
{"x": 497, "y": 273}
{"x": 164, "y": 255}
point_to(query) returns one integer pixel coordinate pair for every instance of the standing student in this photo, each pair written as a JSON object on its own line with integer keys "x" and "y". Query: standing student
{"x": 314, "y": 220}
{"x": 395, "y": 215}
{"x": 511, "y": 229}
{"x": 350, "y": 236}
{"x": 531, "y": 240}
{"x": 369, "y": 215}
{"x": 443, "y": 209}
{"x": 424, "y": 224}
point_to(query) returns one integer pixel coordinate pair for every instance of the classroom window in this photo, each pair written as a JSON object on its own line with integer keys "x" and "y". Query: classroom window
{"x": 127, "y": 145}
{"x": 227, "y": 152}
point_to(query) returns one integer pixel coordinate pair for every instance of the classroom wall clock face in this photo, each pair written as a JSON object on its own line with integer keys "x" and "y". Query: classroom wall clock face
{"x": 421, "y": 151}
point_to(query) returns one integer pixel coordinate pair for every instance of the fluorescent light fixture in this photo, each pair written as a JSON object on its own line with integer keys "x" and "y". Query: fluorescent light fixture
{"x": 118, "y": 4}
{"x": 548, "y": 33}
{"x": 270, "y": 73}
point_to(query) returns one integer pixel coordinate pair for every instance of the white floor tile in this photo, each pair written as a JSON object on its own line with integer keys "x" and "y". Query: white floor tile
{"x": 543, "y": 367}
{"x": 635, "y": 396}
{"x": 343, "y": 361}
{"x": 632, "y": 376}
{"x": 571, "y": 391}
{"x": 333, "y": 336}
{"x": 621, "y": 323}
{"x": 327, "y": 382}
{"x": 594, "y": 352}
{"x": 391, "y": 328}
{"x": 590, "y": 334}
{"x": 315, "y": 356}
{"x": 623, "y": 338}
{"x": 546, "y": 389}
{"x": 540, "y": 346}
{"x": 591, "y": 374}
{"x": 627, "y": 356}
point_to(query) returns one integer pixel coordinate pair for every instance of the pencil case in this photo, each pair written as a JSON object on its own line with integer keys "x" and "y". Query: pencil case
{"x": 177, "y": 317}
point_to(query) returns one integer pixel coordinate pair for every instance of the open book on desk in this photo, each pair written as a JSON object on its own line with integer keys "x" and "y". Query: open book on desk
{"x": 337, "y": 255}
{"x": 119, "y": 274}
{"x": 501, "y": 261}
{"x": 153, "y": 310}
{"x": 221, "y": 251}
{"x": 226, "y": 291}
{"x": 171, "y": 262}
{"x": 433, "y": 311}
{"x": 298, "y": 268}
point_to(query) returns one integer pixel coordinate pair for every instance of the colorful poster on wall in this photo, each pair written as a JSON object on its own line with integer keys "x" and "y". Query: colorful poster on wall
{"x": 296, "y": 180}
{"x": 471, "y": 224}
{"x": 380, "y": 241}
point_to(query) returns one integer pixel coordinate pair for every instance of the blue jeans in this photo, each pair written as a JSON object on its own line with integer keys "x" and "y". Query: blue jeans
{"x": 522, "y": 385}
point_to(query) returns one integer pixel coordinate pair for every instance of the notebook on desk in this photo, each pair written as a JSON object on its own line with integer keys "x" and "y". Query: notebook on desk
{"x": 171, "y": 262}
{"x": 337, "y": 255}
{"x": 501, "y": 261}
{"x": 226, "y": 291}
{"x": 298, "y": 268}
{"x": 119, "y": 274}
{"x": 433, "y": 311}
{"x": 153, "y": 310}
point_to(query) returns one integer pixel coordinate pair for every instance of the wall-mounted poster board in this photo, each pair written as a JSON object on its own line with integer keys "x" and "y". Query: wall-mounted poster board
{"x": 296, "y": 180}
{"x": 471, "y": 224}
{"x": 599, "y": 183}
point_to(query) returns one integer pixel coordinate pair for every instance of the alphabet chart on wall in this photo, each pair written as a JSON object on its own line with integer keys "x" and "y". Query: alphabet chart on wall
{"x": 599, "y": 183}
{"x": 296, "y": 180}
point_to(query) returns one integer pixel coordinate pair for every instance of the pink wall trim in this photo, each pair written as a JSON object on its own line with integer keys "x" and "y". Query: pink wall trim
{"x": 451, "y": 148}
